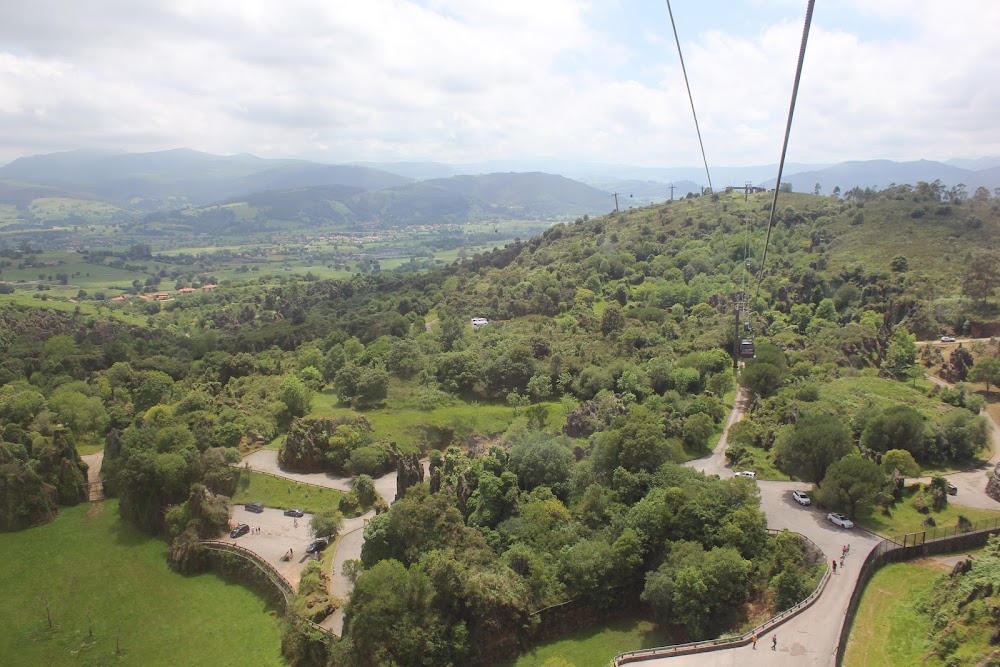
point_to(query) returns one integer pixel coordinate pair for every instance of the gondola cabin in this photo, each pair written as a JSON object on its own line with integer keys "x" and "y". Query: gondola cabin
{"x": 746, "y": 348}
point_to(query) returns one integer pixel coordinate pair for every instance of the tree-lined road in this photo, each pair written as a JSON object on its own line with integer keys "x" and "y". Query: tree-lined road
{"x": 811, "y": 638}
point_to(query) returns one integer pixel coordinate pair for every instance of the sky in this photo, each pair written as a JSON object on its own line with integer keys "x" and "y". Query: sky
{"x": 477, "y": 80}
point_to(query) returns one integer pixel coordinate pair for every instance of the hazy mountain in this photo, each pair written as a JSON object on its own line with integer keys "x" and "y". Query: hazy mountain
{"x": 167, "y": 178}
{"x": 880, "y": 174}
{"x": 455, "y": 200}
{"x": 974, "y": 164}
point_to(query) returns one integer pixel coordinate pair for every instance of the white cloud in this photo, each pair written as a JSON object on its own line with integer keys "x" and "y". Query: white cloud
{"x": 459, "y": 80}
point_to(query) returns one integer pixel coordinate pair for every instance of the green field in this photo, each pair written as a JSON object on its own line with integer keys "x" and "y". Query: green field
{"x": 97, "y": 566}
{"x": 905, "y": 519}
{"x": 888, "y": 631}
{"x": 595, "y": 647}
{"x": 255, "y": 487}
{"x": 404, "y": 425}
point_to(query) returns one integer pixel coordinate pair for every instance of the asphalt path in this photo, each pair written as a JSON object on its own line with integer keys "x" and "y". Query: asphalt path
{"x": 277, "y": 535}
{"x": 347, "y": 548}
{"x": 811, "y": 637}
{"x": 266, "y": 460}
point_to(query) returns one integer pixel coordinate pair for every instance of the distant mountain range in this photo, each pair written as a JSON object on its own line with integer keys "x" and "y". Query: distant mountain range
{"x": 184, "y": 188}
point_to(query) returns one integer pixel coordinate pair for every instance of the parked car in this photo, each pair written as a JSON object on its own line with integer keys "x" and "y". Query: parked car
{"x": 947, "y": 339}
{"x": 750, "y": 474}
{"x": 317, "y": 545}
{"x": 952, "y": 489}
{"x": 240, "y": 529}
{"x": 295, "y": 513}
{"x": 801, "y": 497}
{"x": 840, "y": 520}
{"x": 256, "y": 508}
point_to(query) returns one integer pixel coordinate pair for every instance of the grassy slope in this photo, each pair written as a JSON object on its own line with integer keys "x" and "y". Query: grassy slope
{"x": 99, "y": 566}
{"x": 283, "y": 493}
{"x": 596, "y": 646}
{"x": 888, "y": 631}
{"x": 905, "y": 519}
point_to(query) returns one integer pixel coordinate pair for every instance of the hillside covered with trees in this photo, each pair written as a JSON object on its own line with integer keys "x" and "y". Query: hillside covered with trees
{"x": 609, "y": 347}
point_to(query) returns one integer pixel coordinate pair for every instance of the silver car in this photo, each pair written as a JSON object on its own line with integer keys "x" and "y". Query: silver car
{"x": 840, "y": 520}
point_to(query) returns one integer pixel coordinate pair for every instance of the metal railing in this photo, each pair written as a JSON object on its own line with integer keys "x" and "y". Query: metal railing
{"x": 902, "y": 548}
{"x": 283, "y": 585}
{"x": 728, "y": 642}
{"x": 266, "y": 568}
{"x": 942, "y": 532}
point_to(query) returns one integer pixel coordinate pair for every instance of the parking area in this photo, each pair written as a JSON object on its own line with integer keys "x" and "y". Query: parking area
{"x": 277, "y": 535}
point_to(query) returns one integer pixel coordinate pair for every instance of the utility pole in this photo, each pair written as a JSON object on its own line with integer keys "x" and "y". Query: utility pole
{"x": 671, "y": 192}
{"x": 746, "y": 192}
{"x": 616, "y": 203}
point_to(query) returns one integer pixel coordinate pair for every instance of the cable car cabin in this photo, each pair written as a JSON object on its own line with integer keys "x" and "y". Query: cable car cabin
{"x": 746, "y": 348}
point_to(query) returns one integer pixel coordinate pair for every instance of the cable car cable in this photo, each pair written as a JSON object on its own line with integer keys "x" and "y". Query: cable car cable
{"x": 784, "y": 146}
{"x": 690, "y": 97}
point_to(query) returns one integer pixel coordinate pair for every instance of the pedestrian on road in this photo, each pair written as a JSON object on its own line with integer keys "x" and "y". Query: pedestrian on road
{"x": 842, "y": 561}
{"x": 295, "y": 522}
{"x": 774, "y": 642}
{"x": 834, "y": 561}
{"x": 848, "y": 548}
{"x": 754, "y": 641}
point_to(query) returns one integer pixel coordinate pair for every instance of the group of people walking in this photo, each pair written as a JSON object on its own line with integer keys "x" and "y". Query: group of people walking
{"x": 846, "y": 549}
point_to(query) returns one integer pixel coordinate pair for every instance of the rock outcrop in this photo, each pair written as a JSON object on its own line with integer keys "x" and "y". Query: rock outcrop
{"x": 409, "y": 471}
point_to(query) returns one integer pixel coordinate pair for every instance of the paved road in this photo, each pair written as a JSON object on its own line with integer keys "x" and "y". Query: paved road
{"x": 277, "y": 535}
{"x": 715, "y": 463}
{"x": 348, "y": 548}
{"x": 971, "y": 483}
{"x": 266, "y": 460}
{"x": 352, "y": 534}
{"x": 811, "y": 637}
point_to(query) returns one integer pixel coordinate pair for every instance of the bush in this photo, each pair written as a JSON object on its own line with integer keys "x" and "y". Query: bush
{"x": 364, "y": 489}
{"x": 371, "y": 461}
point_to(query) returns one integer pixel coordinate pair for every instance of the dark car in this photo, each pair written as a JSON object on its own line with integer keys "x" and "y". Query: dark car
{"x": 295, "y": 513}
{"x": 256, "y": 508}
{"x": 240, "y": 529}
{"x": 317, "y": 545}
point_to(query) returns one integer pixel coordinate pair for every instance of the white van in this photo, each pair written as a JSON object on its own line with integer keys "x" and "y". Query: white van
{"x": 479, "y": 322}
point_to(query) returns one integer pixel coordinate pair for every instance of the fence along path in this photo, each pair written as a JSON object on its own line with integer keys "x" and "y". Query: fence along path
{"x": 276, "y": 578}
{"x": 728, "y": 642}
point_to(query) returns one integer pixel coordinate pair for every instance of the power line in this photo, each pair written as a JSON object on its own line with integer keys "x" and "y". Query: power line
{"x": 691, "y": 97}
{"x": 784, "y": 145}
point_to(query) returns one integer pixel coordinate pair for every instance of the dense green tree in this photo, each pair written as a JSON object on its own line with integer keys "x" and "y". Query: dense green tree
{"x": 901, "y": 460}
{"x": 852, "y": 484}
{"x": 816, "y": 441}
{"x": 898, "y": 427}
{"x": 987, "y": 371}
{"x": 390, "y": 600}
{"x": 326, "y": 522}
{"x": 540, "y": 460}
{"x": 964, "y": 434}
{"x": 295, "y": 396}
{"x": 902, "y": 353}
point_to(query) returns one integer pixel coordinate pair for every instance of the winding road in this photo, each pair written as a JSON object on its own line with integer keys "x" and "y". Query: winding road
{"x": 811, "y": 637}
{"x": 808, "y": 639}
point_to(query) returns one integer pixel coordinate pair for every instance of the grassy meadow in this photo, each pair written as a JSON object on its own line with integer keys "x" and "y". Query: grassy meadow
{"x": 596, "y": 646}
{"x": 904, "y": 518}
{"x": 98, "y": 573}
{"x": 255, "y": 487}
{"x": 888, "y": 630}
